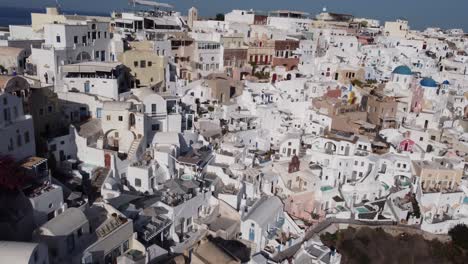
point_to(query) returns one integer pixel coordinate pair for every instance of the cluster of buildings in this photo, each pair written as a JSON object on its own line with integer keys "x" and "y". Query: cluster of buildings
{"x": 156, "y": 137}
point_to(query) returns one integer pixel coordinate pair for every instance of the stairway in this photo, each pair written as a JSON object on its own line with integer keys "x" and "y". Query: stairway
{"x": 302, "y": 152}
{"x": 134, "y": 147}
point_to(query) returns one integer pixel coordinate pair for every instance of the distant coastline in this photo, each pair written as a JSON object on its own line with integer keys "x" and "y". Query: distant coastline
{"x": 22, "y": 15}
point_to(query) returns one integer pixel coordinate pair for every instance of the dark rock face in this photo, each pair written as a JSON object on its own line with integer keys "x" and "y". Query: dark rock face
{"x": 16, "y": 216}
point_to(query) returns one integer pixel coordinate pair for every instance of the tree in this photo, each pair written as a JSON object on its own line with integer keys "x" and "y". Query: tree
{"x": 219, "y": 17}
{"x": 459, "y": 235}
{"x": 12, "y": 176}
{"x": 364, "y": 23}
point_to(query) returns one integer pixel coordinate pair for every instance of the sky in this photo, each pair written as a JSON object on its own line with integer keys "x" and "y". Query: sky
{"x": 420, "y": 13}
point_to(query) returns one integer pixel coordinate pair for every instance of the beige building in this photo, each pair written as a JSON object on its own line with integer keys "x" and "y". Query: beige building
{"x": 437, "y": 176}
{"x": 261, "y": 51}
{"x": 345, "y": 74}
{"x": 399, "y": 28}
{"x": 12, "y": 60}
{"x": 53, "y": 16}
{"x": 147, "y": 67}
{"x": 382, "y": 111}
{"x": 223, "y": 88}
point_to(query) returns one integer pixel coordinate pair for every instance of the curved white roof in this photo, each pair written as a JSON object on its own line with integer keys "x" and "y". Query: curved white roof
{"x": 16, "y": 252}
{"x": 65, "y": 223}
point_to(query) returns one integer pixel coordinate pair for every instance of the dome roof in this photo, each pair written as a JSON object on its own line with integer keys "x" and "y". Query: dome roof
{"x": 428, "y": 82}
{"x": 446, "y": 82}
{"x": 403, "y": 70}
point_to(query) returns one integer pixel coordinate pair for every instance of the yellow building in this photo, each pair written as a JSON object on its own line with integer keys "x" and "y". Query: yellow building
{"x": 52, "y": 15}
{"x": 146, "y": 66}
{"x": 437, "y": 176}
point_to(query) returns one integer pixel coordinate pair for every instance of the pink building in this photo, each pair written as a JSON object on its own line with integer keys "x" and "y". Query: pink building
{"x": 406, "y": 145}
{"x": 303, "y": 206}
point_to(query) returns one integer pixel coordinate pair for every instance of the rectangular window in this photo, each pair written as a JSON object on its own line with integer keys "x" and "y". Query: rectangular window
{"x": 105, "y": 34}
{"x": 19, "y": 140}
{"x": 99, "y": 34}
{"x": 7, "y": 114}
{"x": 153, "y": 108}
{"x": 143, "y": 64}
{"x": 108, "y": 118}
{"x": 137, "y": 182}
{"x": 75, "y": 39}
{"x": 155, "y": 127}
{"x": 135, "y": 63}
{"x": 57, "y": 39}
{"x": 26, "y": 137}
{"x": 150, "y": 63}
{"x": 120, "y": 118}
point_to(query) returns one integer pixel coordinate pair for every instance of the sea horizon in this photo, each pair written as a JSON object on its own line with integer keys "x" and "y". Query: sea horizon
{"x": 12, "y": 15}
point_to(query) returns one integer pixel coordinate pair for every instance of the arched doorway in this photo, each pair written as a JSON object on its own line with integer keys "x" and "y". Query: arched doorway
{"x": 274, "y": 78}
{"x": 131, "y": 121}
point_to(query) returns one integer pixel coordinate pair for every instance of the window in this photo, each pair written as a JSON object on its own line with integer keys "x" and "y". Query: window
{"x": 26, "y": 137}
{"x": 421, "y": 139}
{"x": 10, "y": 146}
{"x": 75, "y": 39}
{"x": 53, "y": 147}
{"x": 99, "y": 34}
{"x": 96, "y": 54}
{"x": 83, "y": 39}
{"x": 19, "y": 140}
{"x": 105, "y": 34}
{"x": 137, "y": 182}
{"x": 41, "y": 111}
{"x": 49, "y": 109}
{"x": 126, "y": 246}
{"x": 70, "y": 243}
{"x": 108, "y": 117}
{"x": 120, "y": 118}
{"x": 135, "y": 63}
{"x": 142, "y": 64}
{"x": 153, "y": 108}
{"x": 150, "y": 63}
{"x": 155, "y": 127}
{"x": 252, "y": 232}
{"x": 57, "y": 39}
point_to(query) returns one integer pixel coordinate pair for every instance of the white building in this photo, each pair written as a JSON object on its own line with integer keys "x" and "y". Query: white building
{"x": 16, "y": 128}
{"x": 23, "y": 252}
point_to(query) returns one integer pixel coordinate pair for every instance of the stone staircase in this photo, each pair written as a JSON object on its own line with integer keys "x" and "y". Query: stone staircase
{"x": 134, "y": 147}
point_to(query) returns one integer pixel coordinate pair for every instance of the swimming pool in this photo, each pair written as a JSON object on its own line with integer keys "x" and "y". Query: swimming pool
{"x": 362, "y": 210}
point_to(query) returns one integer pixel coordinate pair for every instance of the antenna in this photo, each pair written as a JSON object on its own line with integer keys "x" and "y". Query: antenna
{"x": 58, "y": 6}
